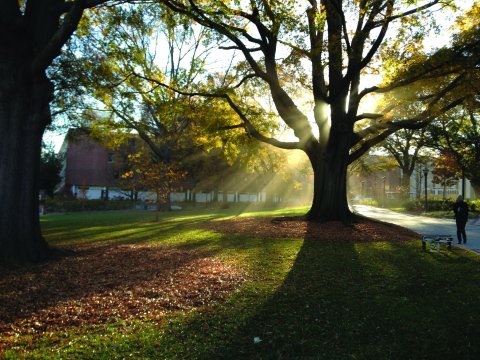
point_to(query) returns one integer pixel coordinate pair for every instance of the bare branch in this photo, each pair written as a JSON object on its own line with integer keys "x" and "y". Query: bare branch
{"x": 368, "y": 116}
{"x": 231, "y": 127}
{"x": 245, "y": 78}
{"x": 412, "y": 11}
{"x": 296, "y": 48}
{"x": 355, "y": 155}
{"x": 237, "y": 48}
{"x": 355, "y": 70}
{"x": 222, "y": 28}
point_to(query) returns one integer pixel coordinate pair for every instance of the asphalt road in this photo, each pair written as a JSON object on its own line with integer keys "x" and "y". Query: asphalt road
{"x": 425, "y": 225}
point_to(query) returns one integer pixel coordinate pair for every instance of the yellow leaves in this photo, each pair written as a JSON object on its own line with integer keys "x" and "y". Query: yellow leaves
{"x": 148, "y": 173}
{"x": 128, "y": 175}
{"x": 297, "y": 185}
{"x": 470, "y": 19}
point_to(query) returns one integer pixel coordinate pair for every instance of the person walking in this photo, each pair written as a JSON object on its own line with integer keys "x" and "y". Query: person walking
{"x": 460, "y": 209}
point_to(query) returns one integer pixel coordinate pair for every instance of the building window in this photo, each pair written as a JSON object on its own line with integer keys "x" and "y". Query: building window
{"x": 110, "y": 157}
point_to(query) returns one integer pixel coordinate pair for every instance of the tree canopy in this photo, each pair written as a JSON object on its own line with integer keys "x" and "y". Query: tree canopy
{"x": 312, "y": 56}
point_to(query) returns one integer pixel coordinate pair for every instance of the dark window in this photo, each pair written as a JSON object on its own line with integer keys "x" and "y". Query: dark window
{"x": 110, "y": 157}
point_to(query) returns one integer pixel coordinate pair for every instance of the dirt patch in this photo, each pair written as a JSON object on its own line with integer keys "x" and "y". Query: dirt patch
{"x": 103, "y": 284}
{"x": 364, "y": 230}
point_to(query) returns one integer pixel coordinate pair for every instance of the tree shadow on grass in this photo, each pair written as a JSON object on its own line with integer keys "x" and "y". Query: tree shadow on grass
{"x": 310, "y": 298}
{"x": 377, "y": 300}
{"x": 126, "y": 232}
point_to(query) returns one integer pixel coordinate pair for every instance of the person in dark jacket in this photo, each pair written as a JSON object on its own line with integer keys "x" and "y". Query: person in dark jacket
{"x": 460, "y": 208}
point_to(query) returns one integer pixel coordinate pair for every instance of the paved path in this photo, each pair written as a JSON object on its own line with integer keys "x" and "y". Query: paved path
{"x": 425, "y": 225}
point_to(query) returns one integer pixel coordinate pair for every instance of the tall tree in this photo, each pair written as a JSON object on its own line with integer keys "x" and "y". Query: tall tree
{"x": 322, "y": 47}
{"x": 458, "y": 134}
{"x": 405, "y": 146}
{"x": 458, "y": 131}
{"x": 114, "y": 98}
{"x": 118, "y": 96}
{"x": 32, "y": 34}
{"x": 446, "y": 170}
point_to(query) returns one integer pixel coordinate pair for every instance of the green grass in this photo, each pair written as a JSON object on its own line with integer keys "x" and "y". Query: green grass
{"x": 303, "y": 299}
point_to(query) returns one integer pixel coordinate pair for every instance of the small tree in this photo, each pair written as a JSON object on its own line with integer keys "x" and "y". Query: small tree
{"x": 50, "y": 167}
{"x": 147, "y": 172}
{"x": 446, "y": 171}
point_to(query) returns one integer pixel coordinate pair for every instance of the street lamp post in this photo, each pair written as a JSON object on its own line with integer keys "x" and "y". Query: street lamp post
{"x": 363, "y": 189}
{"x": 384, "y": 190}
{"x": 425, "y": 172}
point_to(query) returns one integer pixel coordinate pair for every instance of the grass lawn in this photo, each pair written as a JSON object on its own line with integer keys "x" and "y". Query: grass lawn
{"x": 301, "y": 298}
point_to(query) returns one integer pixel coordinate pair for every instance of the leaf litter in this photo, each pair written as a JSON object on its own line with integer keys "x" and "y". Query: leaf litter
{"x": 103, "y": 284}
{"x": 363, "y": 230}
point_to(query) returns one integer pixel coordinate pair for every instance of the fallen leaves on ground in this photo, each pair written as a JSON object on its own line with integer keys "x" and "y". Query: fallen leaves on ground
{"x": 103, "y": 284}
{"x": 364, "y": 230}
{"x": 99, "y": 285}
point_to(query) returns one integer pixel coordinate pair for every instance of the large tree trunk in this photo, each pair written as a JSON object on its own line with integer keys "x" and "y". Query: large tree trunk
{"x": 330, "y": 183}
{"x": 24, "y": 114}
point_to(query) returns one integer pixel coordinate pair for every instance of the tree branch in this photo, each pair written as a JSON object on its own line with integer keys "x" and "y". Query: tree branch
{"x": 296, "y": 48}
{"x": 412, "y": 11}
{"x": 249, "y": 127}
{"x": 70, "y": 23}
{"x": 222, "y": 28}
{"x": 415, "y": 123}
{"x": 245, "y": 78}
{"x": 354, "y": 70}
{"x": 368, "y": 116}
{"x": 340, "y": 12}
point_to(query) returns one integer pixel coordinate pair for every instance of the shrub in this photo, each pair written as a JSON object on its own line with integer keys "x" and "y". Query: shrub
{"x": 73, "y": 205}
{"x": 433, "y": 205}
{"x": 474, "y": 205}
{"x": 370, "y": 202}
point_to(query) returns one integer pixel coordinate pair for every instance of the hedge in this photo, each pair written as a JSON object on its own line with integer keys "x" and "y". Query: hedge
{"x": 437, "y": 205}
{"x": 61, "y": 205}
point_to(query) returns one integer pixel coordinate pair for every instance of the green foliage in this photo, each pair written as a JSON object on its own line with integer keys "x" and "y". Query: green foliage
{"x": 133, "y": 86}
{"x": 474, "y": 205}
{"x": 369, "y": 202}
{"x": 457, "y": 133}
{"x": 446, "y": 171}
{"x": 433, "y": 205}
{"x": 50, "y": 167}
{"x": 444, "y": 207}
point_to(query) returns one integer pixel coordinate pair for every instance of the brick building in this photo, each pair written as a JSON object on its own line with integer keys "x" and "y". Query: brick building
{"x": 91, "y": 171}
